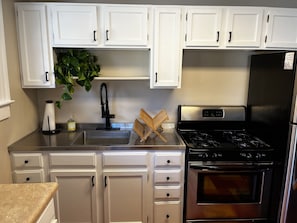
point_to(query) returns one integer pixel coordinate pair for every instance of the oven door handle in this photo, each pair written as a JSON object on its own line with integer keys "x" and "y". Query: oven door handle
{"x": 229, "y": 168}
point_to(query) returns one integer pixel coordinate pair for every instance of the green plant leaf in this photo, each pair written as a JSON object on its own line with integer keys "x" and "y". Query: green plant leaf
{"x": 66, "y": 96}
{"x": 74, "y": 63}
{"x": 58, "y": 104}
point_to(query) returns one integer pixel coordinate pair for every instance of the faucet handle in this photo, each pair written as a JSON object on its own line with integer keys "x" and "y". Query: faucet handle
{"x": 111, "y": 115}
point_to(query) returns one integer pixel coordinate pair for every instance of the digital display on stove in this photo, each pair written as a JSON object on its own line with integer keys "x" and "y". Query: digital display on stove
{"x": 218, "y": 113}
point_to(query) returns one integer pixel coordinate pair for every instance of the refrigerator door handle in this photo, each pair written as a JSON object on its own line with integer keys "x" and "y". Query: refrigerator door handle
{"x": 294, "y": 119}
{"x": 295, "y": 184}
{"x": 290, "y": 175}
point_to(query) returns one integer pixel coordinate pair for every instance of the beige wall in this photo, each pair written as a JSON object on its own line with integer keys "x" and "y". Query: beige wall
{"x": 208, "y": 77}
{"x": 24, "y": 117}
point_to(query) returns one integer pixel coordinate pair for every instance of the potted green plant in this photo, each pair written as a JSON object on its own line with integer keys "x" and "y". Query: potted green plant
{"x": 74, "y": 66}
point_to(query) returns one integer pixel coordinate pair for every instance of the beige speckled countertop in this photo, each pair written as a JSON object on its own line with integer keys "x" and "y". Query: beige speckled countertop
{"x": 24, "y": 203}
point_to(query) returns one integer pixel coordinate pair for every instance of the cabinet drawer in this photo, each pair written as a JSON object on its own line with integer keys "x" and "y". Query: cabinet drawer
{"x": 72, "y": 159}
{"x": 167, "y": 212}
{"x": 167, "y": 176}
{"x": 125, "y": 159}
{"x": 27, "y": 160}
{"x": 28, "y": 176}
{"x": 168, "y": 159}
{"x": 167, "y": 192}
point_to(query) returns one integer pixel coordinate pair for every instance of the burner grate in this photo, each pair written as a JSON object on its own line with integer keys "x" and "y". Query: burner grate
{"x": 222, "y": 139}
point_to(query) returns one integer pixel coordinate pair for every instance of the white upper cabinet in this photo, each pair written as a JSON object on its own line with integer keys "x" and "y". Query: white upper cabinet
{"x": 223, "y": 27}
{"x": 281, "y": 30}
{"x": 167, "y": 48}
{"x": 244, "y": 27}
{"x": 126, "y": 25}
{"x": 34, "y": 46}
{"x": 203, "y": 26}
{"x": 74, "y": 25}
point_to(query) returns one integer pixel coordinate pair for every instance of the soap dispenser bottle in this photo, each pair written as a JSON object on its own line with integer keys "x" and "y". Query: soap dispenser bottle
{"x": 71, "y": 125}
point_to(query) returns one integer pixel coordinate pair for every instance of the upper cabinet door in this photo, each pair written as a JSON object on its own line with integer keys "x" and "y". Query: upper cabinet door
{"x": 244, "y": 27}
{"x": 126, "y": 25}
{"x": 203, "y": 26}
{"x": 34, "y": 46}
{"x": 281, "y": 28}
{"x": 75, "y": 25}
{"x": 167, "y": 50}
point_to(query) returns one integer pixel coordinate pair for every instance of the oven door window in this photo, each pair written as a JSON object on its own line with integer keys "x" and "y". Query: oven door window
{"x": 231, "y": 187}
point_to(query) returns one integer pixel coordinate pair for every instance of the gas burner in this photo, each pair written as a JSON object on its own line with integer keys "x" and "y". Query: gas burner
{"x": 243, "y": 139}
{"x": 201, "y": 139}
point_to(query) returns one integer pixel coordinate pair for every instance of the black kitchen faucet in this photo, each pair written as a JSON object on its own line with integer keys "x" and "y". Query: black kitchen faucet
{"x": 104, "y": 106}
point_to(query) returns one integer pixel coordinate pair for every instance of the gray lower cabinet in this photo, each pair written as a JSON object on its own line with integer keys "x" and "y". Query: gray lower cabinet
{"x": 108, "y": 186}
{"x": 76, "y": 198}
{"x": 126, "y": 187}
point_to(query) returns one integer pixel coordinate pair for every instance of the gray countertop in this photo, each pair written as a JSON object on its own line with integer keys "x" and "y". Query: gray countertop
{"x": 37, "y": 141}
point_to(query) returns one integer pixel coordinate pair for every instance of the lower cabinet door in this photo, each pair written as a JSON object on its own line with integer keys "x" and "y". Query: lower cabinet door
{"x": 125, "y": 197}
{"x": 167, "y": 212}
{"x": 76, "y": 196}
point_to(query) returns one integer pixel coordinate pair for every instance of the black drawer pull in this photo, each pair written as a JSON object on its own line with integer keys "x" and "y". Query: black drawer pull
{"x": 230, "y": 37}
{"x": 28, "y": 179}
{"x": 106, "y": 35}
{"x": 46, "y": 76}
{"x": 168, "y": 195}
{"x": 26, "y": 161}
{"x": 94, "y": 35}
{"x": 168, "y": 161}
{"x": 167, "y": 178}
{"x": 167, "y": 216}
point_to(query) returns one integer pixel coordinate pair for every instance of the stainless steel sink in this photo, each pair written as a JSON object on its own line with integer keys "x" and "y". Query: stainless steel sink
{"x": 103, "y": 137}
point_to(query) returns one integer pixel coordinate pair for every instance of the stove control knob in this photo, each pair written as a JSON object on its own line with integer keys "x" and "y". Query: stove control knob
{"x": 258, "y": 156}
{"x": 217, "y": 155}
{"x": 204, "y": 155}
{"x": 249, "y": 156}
{"x": 246, "y": 155}
{"x": 214, "y": 155}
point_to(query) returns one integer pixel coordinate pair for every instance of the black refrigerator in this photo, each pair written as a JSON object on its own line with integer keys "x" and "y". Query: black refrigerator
{"x": 271, "y": 115}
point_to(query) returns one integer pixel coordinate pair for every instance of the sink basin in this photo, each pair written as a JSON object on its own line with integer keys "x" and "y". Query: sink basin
{"x": 103, "y": 137}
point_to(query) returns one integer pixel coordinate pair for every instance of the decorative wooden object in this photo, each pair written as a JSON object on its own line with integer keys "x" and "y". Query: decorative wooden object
{"x": 150, "y": 125}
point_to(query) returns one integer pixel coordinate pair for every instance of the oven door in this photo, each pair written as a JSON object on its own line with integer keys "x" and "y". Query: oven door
{"x": 220, "y": 191}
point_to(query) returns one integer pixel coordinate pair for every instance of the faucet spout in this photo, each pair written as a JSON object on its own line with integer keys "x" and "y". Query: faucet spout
{"x": 104, "y": 106}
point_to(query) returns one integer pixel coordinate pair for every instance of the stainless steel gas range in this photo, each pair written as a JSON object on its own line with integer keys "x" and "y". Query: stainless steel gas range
{"x": 229, "y": 171}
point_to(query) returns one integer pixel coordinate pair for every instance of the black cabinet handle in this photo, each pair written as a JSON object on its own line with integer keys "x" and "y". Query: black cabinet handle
{"x": 46, "y": 76}
{"x": 106, "y": 34}
{"x": 93, "y": 184}
{"x": 167, "y": 178}
{"x": 94, "y": 33}
{"x": 168, "y": 161}
{"x": 105, "y": 181}
{"x": 156, "y": 77}
{"x": 168, "y": 195}
{"x": 167, "y": 216}
{"x": 218, "y": 36}
{"x": 26, "y": 161}
{"x": 28, "y": 179}
{"x": 230, "y": 37}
